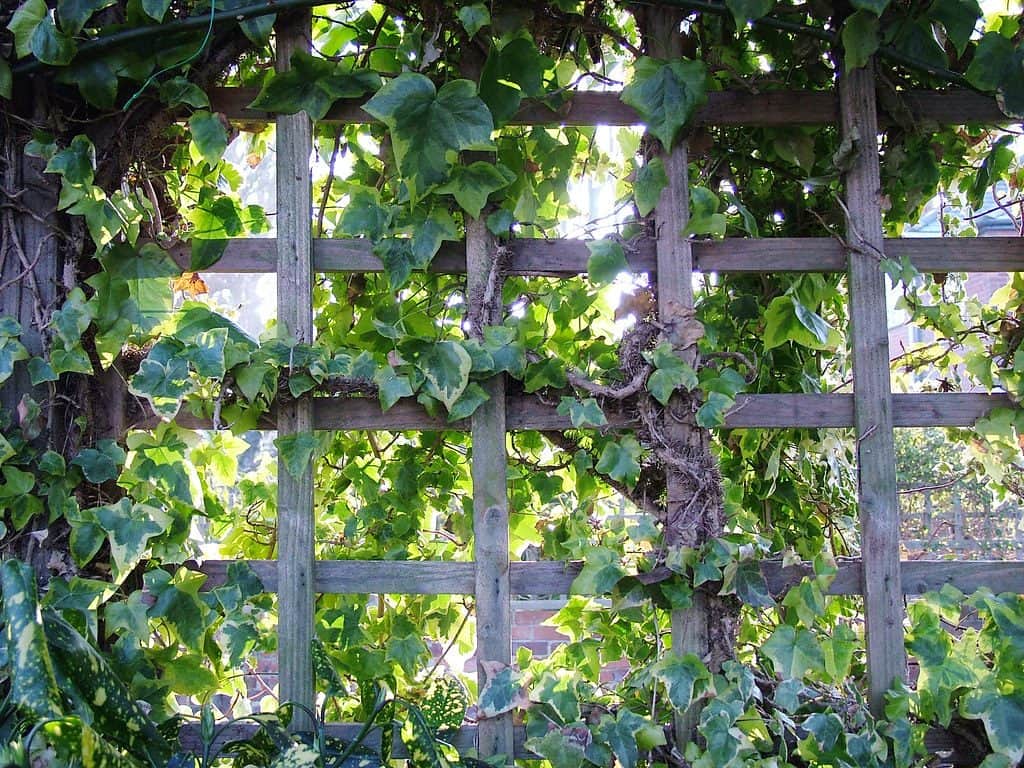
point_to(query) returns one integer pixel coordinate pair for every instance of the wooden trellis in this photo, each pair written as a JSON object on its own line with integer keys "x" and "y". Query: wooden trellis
{"x": 872, "y": 410}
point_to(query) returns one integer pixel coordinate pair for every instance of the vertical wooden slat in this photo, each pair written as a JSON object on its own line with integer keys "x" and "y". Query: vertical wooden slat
{"x": 490, "y": 500}
{"x": 295, "y": 319}
{"x": 675, "y": 292}
{"x": 876, "y": 462}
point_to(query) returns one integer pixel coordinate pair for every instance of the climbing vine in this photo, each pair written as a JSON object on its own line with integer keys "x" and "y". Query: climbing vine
{"x": 123, "y": 182}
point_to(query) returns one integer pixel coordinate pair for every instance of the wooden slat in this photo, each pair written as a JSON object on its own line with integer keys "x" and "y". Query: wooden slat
{"x": 559, "y": 258}
{"x": 464, "y": 739}
{"x": 490, "y": 492}
{"x": 295, "y": 318}
{"x": 725, "y": 108}
{"x": 551, "y": 578}
{"x": 873, "y": 410}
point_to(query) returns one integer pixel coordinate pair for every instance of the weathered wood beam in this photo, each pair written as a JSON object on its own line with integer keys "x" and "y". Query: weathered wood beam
{"x": 558, "y": 258}
{"x": 873, "y": 406}
{"x": 295, "y": 525}
{"x": 770, "y": 411}
{"x": 724, "y": 108}
{"x": 549, "y": 577}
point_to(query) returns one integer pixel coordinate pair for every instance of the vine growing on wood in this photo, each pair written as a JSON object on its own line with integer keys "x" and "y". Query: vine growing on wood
{"x": 124, "y": 180}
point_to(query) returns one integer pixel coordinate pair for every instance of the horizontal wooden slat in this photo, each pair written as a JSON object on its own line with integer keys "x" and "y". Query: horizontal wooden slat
{"x": 771, "y": 411}
{"x": 725, "y": 108}
{"x": 559, "y": 258}
{"x": 433, "y": 577}
{"x": 464, "y": 739}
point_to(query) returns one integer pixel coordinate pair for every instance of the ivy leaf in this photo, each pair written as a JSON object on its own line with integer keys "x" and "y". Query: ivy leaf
{"x": 6, "y": 80}
{"x": 101, "y": 463}
{"x": 206, "y": 352}
{"x": 407, "y": 652}
{"x": 607, "y": 260}
{"x": 430, "y": 233}
{"x": 156, "y": 9}
{"x": 364, "y": 216}
{"x": 23, "y": 25}
{"x": 874, "y": 6}
{"x": 665, "y": 94}
{"x": 704, "y": 216}
{"x": 474, "y": 18}
{"x": 562, "y": 747}
{"x": 744, "y": 579}
{"x": 958, "y": 18}
{"x": 651, "y": 179}
{"x": 129, "y": 528}
{"x": 297, "y": 451}
{"x": 312, "y": 85}
{"x": 399, "y": 259}
{"x": 428, "y": 126}
{"x": 209, "y": 134}
{"x": 471, "y": 185}
{"x": 180, "y": 90}
{"x": 788, "y": 320}
{"x": 681, "y": 676}
{"x": 860, "y": 38}
{"x": 510, "y": 74}
{"x": 507, "y": 354}
{"x": 164, "y": 384}
{"x": 582, "y": 413}
{"x": 601, "y": 571}
{"x": 744, "y": 11}
{"x": 75, "y": 162}
{"x": 620, "y": 733}
{"x": 74, "y": 13}
{"x": 1003, "y": 716}
{"x": 472, "y": 397}
{"x": 502, "y": 689}
{"x": 51, "y": 46}
{"x": 989, "y": 67}
{"x": 671, "y": 373}
{"x": 11, "y": 351}
{"x": 446, "y": 366}
{"x": 620, "y": 460}
{"x": 391, "y": 387}
{"x": 794, "y": 652}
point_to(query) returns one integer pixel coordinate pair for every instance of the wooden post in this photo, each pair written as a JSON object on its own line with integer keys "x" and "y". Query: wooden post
{"x": 295, "y": 318}
{"x": 675, "y": 292}
{"x": 876, "y": 461}
{"x": 490, "y": 495}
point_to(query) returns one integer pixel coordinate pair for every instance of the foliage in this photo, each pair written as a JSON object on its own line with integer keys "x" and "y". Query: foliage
{"x": 135, "y": 504}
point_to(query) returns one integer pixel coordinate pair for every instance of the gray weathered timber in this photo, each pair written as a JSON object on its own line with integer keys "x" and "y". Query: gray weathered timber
{"x": 770, "y": 411}
{"x": 873, "y": 412}
{"x": 549, "y": 577}
{"x": 771, "y": 108}
{"x": 490, "y": 493}
{"x": 563, "y": 258}
{"x": 295, "y": 318}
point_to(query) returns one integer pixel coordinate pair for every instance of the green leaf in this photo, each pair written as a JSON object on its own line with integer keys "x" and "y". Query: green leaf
{"x": 666, "y": 94}
{"x": 788, "y": 320}
{"x": 671, "y": 373}
{"x": 399, "y": 260}
{"x": 430, "y": 233}
{"x": 96, "y": 82}
{"x": 297, "y": 451}
{"x": 129, "y": 528}
{"x": 51, "y": 46}
{"x": 312, "y": 85}
{"x": 712, "y": 411}
{"x": 33, "y": 687}
{"x": 620, "y": 733}
{"x": 602, "y": 570}
{"x": 651, "y": 179}
{"x": 23, "y": 25}
{"x": 364, "y": 216}
{"x": 682, "y": 675}
{"x": 156, "y": 9}
{"x": 75, "y": 162}
{"x": 704, "y": 216}
{"x": 471, "y": 185}
{"x": 391, "y": 387}
{"x": 860, "y": 38}
{"x": 502, "y": 689}
{"x": 1003, "y": 716}
{"x": 794, "y": 652}
{"x": 6, "y": 80}
{"x": 407, "y": 651}
{"x": 74, "y": 13}
{"x": 180, "y": 90}
{"x": 164, "y": 384}
{"x": 511, "y": 73}
{"x": 620, "y": 460}
{"x": 474, "y": 18}
{"x": 990, "y": 65}
{"x": 607, "y": 260}
{"x": 744, "y": 11}
{"x": 874, "y": 6}
{"x": 959, "y": 18}
{"x": 210, "y": 135}
{"x": 428, "y": 126}
{"x": 562, "y": 747}
{"x": 446, "y": 366}
{"x": 206, "y": 352}
{"x": 472, "y": 397}
{"x": 744, "y": 579}
{"x": 582, "y": 413}
{"x": 101, "y": 463}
